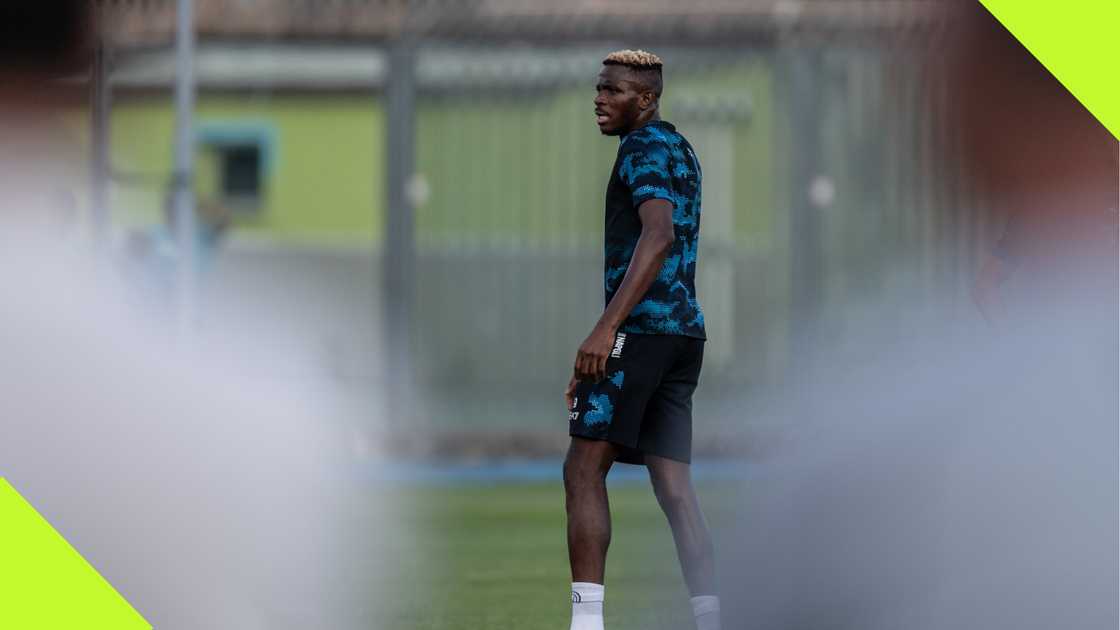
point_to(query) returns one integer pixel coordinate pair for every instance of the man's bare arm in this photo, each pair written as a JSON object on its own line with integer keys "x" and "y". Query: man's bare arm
{"x": 653, "y": 246}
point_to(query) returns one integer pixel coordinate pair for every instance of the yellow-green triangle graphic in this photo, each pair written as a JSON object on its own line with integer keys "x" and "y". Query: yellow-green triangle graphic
{"x": 1079, "y": 43}
{"x": 45, "y": 583}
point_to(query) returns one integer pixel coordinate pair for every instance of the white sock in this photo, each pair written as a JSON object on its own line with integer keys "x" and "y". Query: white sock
{"x": 587, "y": 606}
{"x": 705, "y": 608}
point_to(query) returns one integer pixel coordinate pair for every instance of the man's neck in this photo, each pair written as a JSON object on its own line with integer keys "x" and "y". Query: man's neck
{"x": 644, "y": 120}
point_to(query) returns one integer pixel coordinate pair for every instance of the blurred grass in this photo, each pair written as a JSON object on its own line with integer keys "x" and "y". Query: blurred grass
{"x": 495, "y": 557}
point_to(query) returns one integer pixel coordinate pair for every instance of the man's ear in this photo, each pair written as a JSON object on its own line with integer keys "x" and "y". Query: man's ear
{"x": 647, "y": 100}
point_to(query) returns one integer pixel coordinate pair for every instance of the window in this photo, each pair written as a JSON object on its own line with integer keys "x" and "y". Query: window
{"x": 235, "y": 161}
{"x": 240, "y": 174}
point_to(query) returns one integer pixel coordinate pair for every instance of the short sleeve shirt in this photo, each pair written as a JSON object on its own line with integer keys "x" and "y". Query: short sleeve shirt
{"x": 656, "y": 162}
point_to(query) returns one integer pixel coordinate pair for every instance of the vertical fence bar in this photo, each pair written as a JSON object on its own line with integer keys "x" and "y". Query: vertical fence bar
{"x": 803, "y": 70}
{"x": 100, "y": 104}
{"x": 399, "y": 251}
{"x": 185, "y": 228}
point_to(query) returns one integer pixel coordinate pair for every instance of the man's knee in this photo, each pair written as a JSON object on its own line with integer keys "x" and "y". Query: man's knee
{"x": 674, "y": 499}
{"x": 575, "y": 472}
{"x": 587, "y": 463}
{"x": 673, "y": 489}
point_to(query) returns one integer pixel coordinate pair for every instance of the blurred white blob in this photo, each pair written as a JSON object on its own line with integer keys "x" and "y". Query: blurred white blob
{"x": 822, "y": 191}
{"x": 204, "y": 482}
{"x": 785, "y": 13}
{"x": 943, "y": 480}
{"x": 199, "y": 488}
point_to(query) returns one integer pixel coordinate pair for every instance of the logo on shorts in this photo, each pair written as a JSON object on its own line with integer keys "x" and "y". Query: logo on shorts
{"x": 573, "y": 415}
{"x": 618, "y": 343}
{"x": 576, "y": 598}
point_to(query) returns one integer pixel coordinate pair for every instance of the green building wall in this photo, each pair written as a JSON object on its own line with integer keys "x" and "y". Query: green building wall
{"x": 324, "y": 164}
{"x": 533, "y": 166}
{"x": 526, "y": 167}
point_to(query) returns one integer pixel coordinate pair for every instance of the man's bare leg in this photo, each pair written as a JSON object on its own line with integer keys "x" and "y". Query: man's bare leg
{"x": 589, "y": 526}
{"x": 589, "y": 516}
{"x": 672, "y": 484}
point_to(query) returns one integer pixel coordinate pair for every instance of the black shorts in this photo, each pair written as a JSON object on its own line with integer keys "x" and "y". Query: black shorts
{"x": 644, "y": 405}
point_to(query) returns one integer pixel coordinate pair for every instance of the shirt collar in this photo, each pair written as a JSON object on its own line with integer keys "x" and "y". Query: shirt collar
{"x": 664, "y": 124}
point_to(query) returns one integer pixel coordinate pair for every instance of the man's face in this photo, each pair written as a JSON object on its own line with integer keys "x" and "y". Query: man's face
{"x": 619, "y": 100}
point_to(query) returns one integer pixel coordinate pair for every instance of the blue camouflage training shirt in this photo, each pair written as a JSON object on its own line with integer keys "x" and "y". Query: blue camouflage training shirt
{"x": 656, "y": 162}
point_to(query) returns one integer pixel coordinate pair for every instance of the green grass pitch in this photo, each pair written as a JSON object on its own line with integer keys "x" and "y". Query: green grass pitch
{"x": 494, "y": 557}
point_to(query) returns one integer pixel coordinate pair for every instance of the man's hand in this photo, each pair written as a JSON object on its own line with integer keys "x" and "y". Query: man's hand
{"x": 570, "y": 392}
{"x": 591, "y": 360}
{"x": 653, "y": 246}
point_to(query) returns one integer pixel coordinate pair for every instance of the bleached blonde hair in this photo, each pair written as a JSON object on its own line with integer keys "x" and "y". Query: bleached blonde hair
{"x": 637, "y": 59}
{"x": 645, "y": 66}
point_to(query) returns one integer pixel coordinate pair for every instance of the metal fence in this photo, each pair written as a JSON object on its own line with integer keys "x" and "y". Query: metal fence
{"x": 826, "y": 197}
{"x": 827, "y": 192}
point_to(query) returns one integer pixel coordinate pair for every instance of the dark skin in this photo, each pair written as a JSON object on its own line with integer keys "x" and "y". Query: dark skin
{"x": 625, "y": 102}
{"x": 653, "y": 246}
